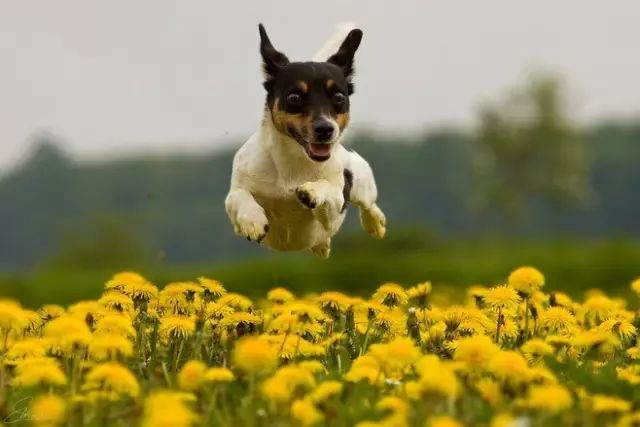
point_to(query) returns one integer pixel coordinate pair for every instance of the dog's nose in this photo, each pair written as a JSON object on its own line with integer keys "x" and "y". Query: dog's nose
{"x": 323, "y": 131}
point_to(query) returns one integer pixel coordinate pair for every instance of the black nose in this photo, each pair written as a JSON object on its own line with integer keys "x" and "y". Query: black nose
{"x": 323, "y": 131}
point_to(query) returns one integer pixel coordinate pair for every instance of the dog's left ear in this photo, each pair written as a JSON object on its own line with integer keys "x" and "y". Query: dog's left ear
{"x": 344, "y": 57}
{"x": 273, "y": 61}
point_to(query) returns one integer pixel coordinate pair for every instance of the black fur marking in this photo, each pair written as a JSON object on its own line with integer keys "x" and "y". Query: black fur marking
{"x": 346, "y": 190}
{"x": 304, "y": 198}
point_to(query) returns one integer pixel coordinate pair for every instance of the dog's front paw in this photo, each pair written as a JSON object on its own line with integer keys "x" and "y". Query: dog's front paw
{"x": 308, "y": 195}
{"x": 254, "y": 227}
{"x": 373, "y": 221}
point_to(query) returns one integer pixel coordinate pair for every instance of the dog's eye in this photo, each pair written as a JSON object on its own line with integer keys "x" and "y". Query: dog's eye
{"x": 339, "y": 98}
{"x": 294, "y": 99}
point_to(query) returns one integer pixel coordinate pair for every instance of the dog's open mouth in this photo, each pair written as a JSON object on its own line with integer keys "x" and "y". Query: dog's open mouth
{"x": 319, "y": 152}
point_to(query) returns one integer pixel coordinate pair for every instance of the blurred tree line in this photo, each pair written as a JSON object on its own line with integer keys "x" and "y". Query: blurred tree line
{"x": 526, "y": 169}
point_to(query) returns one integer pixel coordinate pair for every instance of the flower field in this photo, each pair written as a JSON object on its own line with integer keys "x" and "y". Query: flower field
{"x": 195, "y": 353}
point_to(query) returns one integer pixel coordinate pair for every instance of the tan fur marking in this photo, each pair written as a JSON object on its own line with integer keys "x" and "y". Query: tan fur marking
{"x": 303, "y": 86}
{"x": 283, "y": 121}
{"x": 330, "y": 83}
{"x": 342, "y": 120}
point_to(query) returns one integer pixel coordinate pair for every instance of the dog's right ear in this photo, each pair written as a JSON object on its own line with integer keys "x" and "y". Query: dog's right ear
{"x": 272, "y": 61}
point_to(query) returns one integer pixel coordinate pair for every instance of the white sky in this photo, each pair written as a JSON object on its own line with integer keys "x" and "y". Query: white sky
{"x": 121, "y": 76}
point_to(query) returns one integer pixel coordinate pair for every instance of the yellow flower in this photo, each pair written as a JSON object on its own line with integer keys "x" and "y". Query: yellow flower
{"x": 475, "y": 351}
{"x": 313, "y": 366}
{"x": 443, "y": 421}
{"x": 334, "y": 302}
{"x": 254, "y": 355}
{"x": 391, "y": 295}
{"x": 236, "y": 301}
{"x": 535, "y": 349}
{"x": 26, "y": 349}
{"x": 635, "y": 286}
{"x": 109, "y": 346}
{"x": 630, "y": 374}
{"x": 502, "y": 298}
{"x": 115, "y": 301}
{"x": 212, "y": 287}
{"x": 110, "y": 381}
{"x": 436, "y": 378}
{"x": 191, "y": 376}
{"x": 395, "y": 355}
{"x": 167, "y": 408}
{"x": 623, "y": 328}
{"x": 509, "y": 366}
{"x": 174, "y": 326}
{"x": 549, "y": 398}
{"x": 364, "y": 368}
{"x": 115, "y": 324}
{"x": 11, "y": 317}
{"x": 503, "y": 420}
{"x": 279, "y": 295}
{"x": 67, "y": 334}
{"x": 48, "y": 411}
{"x": 218, "y": 375}
{"x": 490, "y": 391}
{"x": 50, "y": 311}
{"x": 305, "y": 412}
{"x": 419, "y": 293}
{"x": 39, "y": 371}
{"x": 601, "y": 403}
{"x": 392, "y": 404}
{"x": 326, "y": 391}
{"x": 526, "y": 280}
{"x": 600, "y": 307}
{"x": 558, "y": 319}
{"x": 123, "y": 280}
{"x": 289, "y": 381}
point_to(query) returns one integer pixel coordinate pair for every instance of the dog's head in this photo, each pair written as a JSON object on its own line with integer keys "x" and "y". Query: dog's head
{"x": 309, "y": 101}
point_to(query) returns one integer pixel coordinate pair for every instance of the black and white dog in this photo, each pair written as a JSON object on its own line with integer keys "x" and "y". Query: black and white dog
{"x": 292, "y": 179}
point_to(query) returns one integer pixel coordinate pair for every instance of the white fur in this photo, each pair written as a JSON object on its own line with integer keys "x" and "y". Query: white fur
{"x": 270, "y": 173}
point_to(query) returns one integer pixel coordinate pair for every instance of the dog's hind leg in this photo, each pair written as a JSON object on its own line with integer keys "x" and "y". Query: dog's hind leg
{"x": 364, "y": 193}
{"x": 323, "y": 250}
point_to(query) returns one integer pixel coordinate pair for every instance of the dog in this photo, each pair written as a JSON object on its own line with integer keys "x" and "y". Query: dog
{"x": 292, "y": 179}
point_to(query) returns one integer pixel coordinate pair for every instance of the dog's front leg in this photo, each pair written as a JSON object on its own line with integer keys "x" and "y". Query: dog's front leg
{"x": 326, "y": 200}
{"x": 247, "y": 216}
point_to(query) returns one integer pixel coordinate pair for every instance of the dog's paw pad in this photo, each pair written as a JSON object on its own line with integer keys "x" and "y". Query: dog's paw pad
{"x": 374, "y": 222}
{"x": 306, "y": 195}
{"x": 322, "y": 250}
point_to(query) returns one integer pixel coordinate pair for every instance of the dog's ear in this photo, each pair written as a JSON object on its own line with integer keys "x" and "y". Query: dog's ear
{"x": 344, "y": 57}
{"x": 272, "y": 61}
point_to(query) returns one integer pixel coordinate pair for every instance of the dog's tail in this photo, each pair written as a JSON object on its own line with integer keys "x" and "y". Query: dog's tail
{"x": 332, "y": 45}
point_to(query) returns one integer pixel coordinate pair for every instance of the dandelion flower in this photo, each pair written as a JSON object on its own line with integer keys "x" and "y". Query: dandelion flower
{"x": 558, "y": 319}
{"x": 391, "y": 295}
{"x": 39, "y": 371}
{"x": 436, "y": 378}
{"x": 254, "y": 355}
{"x": 549, "y": 398}
{"x": 110, "y": 381}
{"x": 502, "y": 298}
{"x": 236, "y": 301}
{"x": 393, "y": 404}
{"x": 443, "y": 421}
{"x": 212, "y": 287}
{"x": 11, "y": 317}
{"x": 115, "y": 301}
{"x": 326, "y": 391}
{"x": 395, "y": 355}
{"x": 192, "y": 375}
{"x": 167, "y": 408}
{"x": 48, "y": 411}
{"x": 509, "y": 366}
{"x": 280, "y": 295}
{"x": 526, "y": 280}
{"x": 420, "y": 293}
{"x": 67, "y": 334}
{"x": 635, "y": 286}
{"x": 305, "y": 412}
{"x": 475, "y": 351}
{"x": 175, "y": 326}
{"x": 109, "y": 347}
{"x": 115, "y": 324}
{"x": 601, "y": 403}
{"x": 26, "y": 349}
{"x": 50, "y": 311}
{"x": 535, "y": 349}
{"x": 218, "y": 375}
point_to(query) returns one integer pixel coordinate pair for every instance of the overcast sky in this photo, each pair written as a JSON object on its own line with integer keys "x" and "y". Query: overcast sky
{"x": 121, "y": 76}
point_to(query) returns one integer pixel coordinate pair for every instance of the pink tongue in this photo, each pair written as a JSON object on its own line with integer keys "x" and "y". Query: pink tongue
{"x": 320, "y": 149}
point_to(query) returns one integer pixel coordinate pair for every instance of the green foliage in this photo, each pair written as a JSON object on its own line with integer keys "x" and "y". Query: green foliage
{"x": 529, "y": 148}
